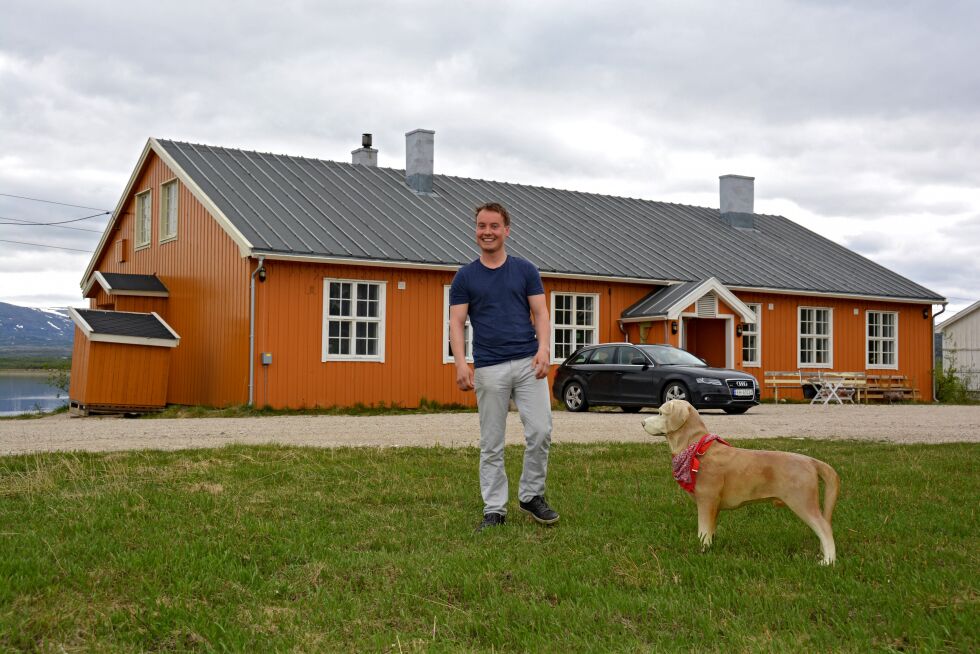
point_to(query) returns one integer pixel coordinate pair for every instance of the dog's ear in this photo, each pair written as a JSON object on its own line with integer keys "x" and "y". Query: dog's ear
{"x": 675, "y": 414}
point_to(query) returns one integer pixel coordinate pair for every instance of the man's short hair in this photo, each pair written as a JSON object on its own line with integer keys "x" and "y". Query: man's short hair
{"x": 495, "y": 207}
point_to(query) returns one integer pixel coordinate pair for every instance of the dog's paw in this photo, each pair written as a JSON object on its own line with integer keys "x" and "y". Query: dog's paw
{"x": 828, "y": 562}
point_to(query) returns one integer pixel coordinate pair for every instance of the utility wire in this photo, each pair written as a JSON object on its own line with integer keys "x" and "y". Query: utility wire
{"x": 62, "y": 222}
{"x": 28, "y": 223}
{"x": 40, "y": 245}
{"x": 64, "y": 204}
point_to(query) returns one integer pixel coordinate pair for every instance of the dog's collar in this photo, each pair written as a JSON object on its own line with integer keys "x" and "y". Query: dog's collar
{"x": 687, "y": 463}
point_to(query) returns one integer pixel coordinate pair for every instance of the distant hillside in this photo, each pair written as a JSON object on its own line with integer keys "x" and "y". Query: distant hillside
{"x": 30, "y": 337}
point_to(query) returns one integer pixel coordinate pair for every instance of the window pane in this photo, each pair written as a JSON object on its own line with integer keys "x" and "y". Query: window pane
{"x": 367, "y": 300}
{"x": 340, "y": 304}
{"x": 563, "y": 343}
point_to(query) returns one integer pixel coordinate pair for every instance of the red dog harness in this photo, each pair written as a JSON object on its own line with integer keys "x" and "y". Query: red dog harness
{"x": 687, "y": 463}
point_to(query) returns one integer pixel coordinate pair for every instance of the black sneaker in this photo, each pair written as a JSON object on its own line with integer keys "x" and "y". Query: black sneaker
{"x": 491, "y": 520}
{"x": 538, "y": 509}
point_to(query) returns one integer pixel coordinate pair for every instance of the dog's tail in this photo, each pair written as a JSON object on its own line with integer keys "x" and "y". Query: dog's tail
{"x": 831, "y": 487}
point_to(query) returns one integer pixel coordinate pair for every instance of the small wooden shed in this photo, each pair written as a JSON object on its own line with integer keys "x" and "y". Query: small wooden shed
{"x": 120, "y": 362}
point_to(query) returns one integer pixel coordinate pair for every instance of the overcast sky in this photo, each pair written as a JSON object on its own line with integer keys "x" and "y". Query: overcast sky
{"x": 859, "y": 120}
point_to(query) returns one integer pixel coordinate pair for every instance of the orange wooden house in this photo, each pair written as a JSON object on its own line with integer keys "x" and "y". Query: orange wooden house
{"x": 296, "y": 282}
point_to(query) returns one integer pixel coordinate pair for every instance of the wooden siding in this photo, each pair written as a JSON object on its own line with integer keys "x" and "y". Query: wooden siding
{"x": 118, "y": 374}
{"x": 208, "y": 282}
{"x": 961, "y": 349}
{"x": 289, "y": 325}
{"x": 79, "y": 379}
{"x": 780, "y": 335}
{"x": 136, "y": 303}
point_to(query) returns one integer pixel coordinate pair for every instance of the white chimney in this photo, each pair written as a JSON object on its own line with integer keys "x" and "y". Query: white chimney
{"x": 365, "y": 155}
{"x": 737, "y": 196}
{"x": 419, "y": 154}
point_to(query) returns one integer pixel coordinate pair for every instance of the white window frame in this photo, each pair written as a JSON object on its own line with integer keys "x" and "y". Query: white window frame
{"x": 467, "y": 331}
{"x": 555, "y": 325}
{"x": 142, "y": 233}
{"x": 167, "y": 211}
{"x": 869, "y": 339}
{"x": 757, "y": 361}
{"x": 829, "y": 336}
{"x": 353, "y": 319}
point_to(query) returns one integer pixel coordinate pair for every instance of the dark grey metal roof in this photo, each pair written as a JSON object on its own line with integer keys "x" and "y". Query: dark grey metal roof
{"x": 128, "y": 282}
{"x": 309, "y": 207}
{"x": 118, "y": 323}
{"x": 657, "y": 302}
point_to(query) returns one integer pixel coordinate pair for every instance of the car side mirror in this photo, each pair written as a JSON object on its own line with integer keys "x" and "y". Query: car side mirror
{"x": 639, "y": 361}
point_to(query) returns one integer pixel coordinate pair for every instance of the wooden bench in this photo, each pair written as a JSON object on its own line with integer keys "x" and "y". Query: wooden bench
{"x": 890, "y": 388}
{"x": 776, "y": 379}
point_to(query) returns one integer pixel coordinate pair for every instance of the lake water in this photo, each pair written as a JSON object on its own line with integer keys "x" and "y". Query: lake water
{"x": 26, "y": 391}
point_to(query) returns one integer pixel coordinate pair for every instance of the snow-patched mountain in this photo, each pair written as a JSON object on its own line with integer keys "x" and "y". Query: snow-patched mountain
{"x": 27, "y": 327}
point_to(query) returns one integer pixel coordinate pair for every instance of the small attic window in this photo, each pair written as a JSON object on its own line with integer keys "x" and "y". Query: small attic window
{"x": 144, "y": 218}
{"x": 168, "y": 211}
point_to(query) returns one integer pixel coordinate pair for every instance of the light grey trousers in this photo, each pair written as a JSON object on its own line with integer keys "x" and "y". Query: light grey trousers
{"x": 495, "y": 387}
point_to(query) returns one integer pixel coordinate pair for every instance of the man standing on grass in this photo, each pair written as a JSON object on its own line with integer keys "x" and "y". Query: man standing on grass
{"x": 499, "y": 293}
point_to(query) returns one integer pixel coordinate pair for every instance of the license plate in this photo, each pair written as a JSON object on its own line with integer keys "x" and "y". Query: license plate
{"x": 746, "y": 392}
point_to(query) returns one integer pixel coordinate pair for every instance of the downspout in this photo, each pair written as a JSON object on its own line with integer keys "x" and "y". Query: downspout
{"x": 932, "y": 336}
{"x": 251, "y": 334}
{"x": 626, "y": 335}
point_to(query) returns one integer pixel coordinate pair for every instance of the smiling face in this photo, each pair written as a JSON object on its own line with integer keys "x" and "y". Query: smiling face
{"x": 491, "y": 231}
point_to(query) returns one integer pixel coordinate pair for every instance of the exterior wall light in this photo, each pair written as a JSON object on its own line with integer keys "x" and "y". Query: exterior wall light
{"x": 673, "y": 327}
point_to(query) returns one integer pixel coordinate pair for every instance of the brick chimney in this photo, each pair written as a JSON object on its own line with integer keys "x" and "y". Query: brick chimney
{"x": 419, "y": 153}
{"x": 737, "y": 196}
{"x": 365, "y": 155}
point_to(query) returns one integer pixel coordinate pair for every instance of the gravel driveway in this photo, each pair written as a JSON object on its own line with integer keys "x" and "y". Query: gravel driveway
{"x": 900, "y": 423}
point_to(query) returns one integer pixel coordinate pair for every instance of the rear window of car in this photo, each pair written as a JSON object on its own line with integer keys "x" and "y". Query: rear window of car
{"x": 581, "y": 357}
{"x": 604, "y": 355}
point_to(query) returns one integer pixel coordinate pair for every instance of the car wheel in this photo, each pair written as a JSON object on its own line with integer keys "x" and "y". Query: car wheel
{"x": 736, "y": 410}
{"x": 631, "y": 409}
{"x": 675, "y": 391}
{"x": 575, "y": 399}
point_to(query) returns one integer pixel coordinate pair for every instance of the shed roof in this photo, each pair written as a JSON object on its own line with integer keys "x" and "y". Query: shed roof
{"x": 296, "y": 207}
{"x": 127, "y": 284}
{"x": 124, "y": 327}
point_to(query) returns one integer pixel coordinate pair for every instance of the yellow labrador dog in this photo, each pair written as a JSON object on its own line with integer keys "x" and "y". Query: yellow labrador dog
{"x": 719, "y": 476}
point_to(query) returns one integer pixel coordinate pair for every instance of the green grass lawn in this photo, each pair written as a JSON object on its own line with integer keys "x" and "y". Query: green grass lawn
{"x": 293, "y": 549}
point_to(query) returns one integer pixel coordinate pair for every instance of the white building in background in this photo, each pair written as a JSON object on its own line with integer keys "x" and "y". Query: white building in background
{"x": 960, "y": 338}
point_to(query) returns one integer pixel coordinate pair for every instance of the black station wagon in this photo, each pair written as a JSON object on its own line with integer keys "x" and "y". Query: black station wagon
{"x": 636, "y": 376}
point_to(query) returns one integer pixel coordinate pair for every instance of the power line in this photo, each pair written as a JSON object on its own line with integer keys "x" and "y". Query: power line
{"x": 64, "y": 204}
{"x": 28, "y": 223}
{"x": 62, "y": 222}
{"x": 41, "y": 245}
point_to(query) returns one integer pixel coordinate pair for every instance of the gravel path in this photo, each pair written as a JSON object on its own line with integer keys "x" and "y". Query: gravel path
{"x": 900, "y": 423}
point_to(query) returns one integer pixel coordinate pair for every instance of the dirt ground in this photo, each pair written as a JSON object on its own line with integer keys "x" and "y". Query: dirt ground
{"x": 899, "y": 423}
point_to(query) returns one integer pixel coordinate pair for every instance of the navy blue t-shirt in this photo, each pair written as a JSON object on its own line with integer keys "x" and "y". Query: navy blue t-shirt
{"x": 498, "y": 308}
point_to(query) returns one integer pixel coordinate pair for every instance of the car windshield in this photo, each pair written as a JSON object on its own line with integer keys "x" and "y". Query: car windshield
{"x": 663, "y": 355}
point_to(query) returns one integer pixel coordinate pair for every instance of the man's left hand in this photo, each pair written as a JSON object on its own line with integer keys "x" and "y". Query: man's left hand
{"x": 541, "y": 364}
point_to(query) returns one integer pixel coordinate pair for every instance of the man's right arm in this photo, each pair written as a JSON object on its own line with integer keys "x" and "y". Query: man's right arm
{"x": 457, "y": 340}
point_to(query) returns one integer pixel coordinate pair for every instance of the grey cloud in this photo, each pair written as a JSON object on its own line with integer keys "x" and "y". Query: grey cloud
{"x": 849, "y": 107}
